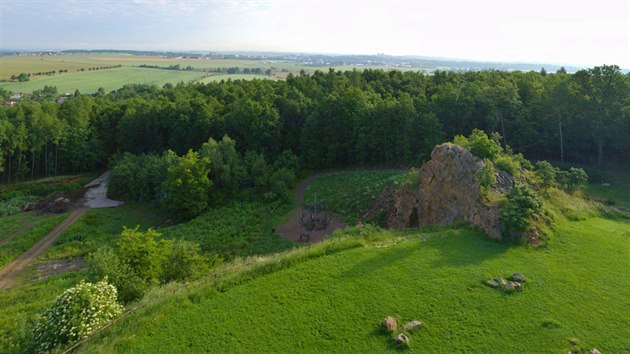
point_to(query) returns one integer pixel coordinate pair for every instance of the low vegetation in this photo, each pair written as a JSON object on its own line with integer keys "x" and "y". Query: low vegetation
{"x": 350, "y": 194}
{"x": 434, "y": 275}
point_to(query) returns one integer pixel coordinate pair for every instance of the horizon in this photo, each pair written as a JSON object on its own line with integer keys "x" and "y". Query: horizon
{"x": 558, "y": 32}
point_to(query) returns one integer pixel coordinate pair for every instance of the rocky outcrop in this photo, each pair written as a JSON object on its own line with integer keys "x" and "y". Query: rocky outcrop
{"x": 448, "y": 192}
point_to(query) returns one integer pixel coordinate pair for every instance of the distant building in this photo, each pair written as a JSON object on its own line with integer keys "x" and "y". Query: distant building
{"x": 17, "y": 96}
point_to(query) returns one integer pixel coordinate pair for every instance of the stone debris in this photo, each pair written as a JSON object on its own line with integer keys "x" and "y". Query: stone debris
{"x": 509, "y": 286}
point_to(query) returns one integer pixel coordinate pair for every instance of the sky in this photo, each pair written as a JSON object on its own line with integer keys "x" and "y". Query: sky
{"x": 569, "y": 32}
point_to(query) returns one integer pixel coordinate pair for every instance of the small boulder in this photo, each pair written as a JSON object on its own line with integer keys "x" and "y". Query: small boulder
{"x": 413, "y": 325}
{"x": 492, "y": 283}
{"x": 594, "y": 351}
{"x": 518, "y": 277}
{"x": 512, "y": 286}
{"x": 389, "y": 324}
{"x": 574, "y": 341}
{"x": 403, "y": 339}
{"x": 502, "y": 282}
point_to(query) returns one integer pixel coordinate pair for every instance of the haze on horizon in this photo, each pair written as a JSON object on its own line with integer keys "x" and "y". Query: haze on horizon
{"x": 578, "y": 32}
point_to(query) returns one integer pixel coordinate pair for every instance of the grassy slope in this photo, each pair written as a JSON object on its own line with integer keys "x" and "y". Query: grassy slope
{"x": 350, "y": 194}
{"x": 579, "y": 288}
{"x": 238, "y": 229}
{"x": 100, "y": 227}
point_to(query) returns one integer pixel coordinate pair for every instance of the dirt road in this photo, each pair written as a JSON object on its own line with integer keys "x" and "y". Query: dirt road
{"x": 11, "y": 270}
{"x": 95, "y": 197}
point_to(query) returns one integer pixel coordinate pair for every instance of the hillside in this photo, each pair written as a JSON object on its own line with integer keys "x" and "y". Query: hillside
{"x": 335, "y": 302}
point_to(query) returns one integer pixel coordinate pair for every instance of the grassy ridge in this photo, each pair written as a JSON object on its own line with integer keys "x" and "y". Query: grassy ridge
{"x": 335, "y": 302}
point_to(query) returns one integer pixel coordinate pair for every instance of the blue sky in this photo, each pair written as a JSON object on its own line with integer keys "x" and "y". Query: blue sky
{"x": 554, "y": 31}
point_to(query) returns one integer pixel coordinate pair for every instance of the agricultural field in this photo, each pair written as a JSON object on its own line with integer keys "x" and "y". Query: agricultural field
{"x": 110, "y": 79}
{"x": 130, "y": 72}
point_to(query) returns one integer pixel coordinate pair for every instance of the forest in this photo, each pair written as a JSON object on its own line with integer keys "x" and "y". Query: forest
{"x": 327, "y": 119}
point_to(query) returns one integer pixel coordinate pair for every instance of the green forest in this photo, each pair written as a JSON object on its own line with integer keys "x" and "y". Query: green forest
{"x": 327, "y": 119}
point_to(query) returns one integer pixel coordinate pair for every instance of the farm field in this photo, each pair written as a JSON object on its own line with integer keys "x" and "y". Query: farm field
{"x": 336, "y": 302}
{"x": 110, "y": 79}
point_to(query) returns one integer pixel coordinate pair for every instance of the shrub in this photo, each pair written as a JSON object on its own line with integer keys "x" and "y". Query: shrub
{"x": 572, "y": 180}
{"x": 546, "y": 173}
{"x": 486, "y": 177}
{"x": 184, "y": 262}
{"x": 76, "y": 314}
{"x": 480, "y": 145}
{"x": 145, "y": 252}
{"x": 507, "y": 164}
{"x": 520, "y": 204}
{"x": 105, "y": 263}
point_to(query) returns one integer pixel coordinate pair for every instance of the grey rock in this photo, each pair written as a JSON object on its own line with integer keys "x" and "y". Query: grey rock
{"x": 413, "y": 325}
{"x": 402, "y": 339}
{"x": 594, "y": 351}
{"x": 518, "y": 277}
{"x": 492, "y": 283}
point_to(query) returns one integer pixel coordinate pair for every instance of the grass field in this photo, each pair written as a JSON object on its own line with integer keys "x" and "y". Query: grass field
{"x": 99, "y": 227}
{"x": 111, "y": 79}
{"x": 350, "y": 194}
{"x": 335, "y": 303}
{"x": 42, "y": 225}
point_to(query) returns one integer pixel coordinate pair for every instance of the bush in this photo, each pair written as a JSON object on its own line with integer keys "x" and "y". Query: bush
{"x": 507, "y": 164}
{"x": 520, "y": 204}
{"x": 184, "y": 262}
{"x": 546, "y": 173}
{"x": 282, "y": 182}
{"x": 572, "y": 180}
{"x": 145, "y": 252}
{"x": 76, "y": 314}
{"x": 486, "y": 177}
{"x": 105, "y": 263}
{"x": 480, "y": 145}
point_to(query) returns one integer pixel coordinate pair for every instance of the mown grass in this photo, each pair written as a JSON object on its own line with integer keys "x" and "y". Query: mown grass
{"x": 350, "y": 194}
{"x": 336, "y": 302}
{"x": 238, "y": 229}
{"x": 26, "y": 240}
{"x": 99, "y": 227}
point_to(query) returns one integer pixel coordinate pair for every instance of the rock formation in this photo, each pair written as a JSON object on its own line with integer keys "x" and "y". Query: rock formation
{"x": 448, "y": 192}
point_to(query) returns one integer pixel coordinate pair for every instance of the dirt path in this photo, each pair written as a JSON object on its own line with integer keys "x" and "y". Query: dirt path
{"x": 291, "y": 228}
{"x": 96, "y": 197}
{"x": 11, "y": 270}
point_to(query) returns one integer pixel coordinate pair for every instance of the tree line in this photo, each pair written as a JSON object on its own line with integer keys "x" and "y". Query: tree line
{"x": 327, "y": 119}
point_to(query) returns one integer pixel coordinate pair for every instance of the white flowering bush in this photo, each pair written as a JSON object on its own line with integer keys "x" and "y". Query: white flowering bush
{"x": 76, "y": 314}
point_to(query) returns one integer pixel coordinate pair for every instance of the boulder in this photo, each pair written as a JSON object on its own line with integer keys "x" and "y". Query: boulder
{"x": 502, "y": 282}
{"x": 389, "y": 324}
{"x": 413, "y": 325}
{"x": 448, "y": 192}
{"x": 518, "y": 277}
{"x": 402, "y": 339}
{"x": 512, "y": 286}
{"x": 492, "y": 283}
{"x": 594, "y": 351}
